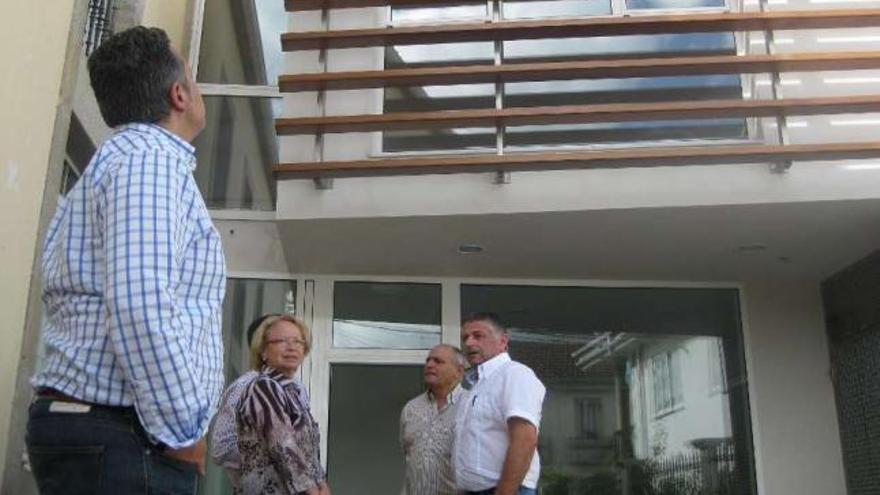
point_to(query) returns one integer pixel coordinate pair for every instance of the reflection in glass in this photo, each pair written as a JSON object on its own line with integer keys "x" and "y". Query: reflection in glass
{"x": 245, "y": 300}
{"x": 363, "y": 451}
{"x": 241, "y": 42}
{"x": 526, "y": 9}
{"x": 386, "y": 315}
{"x": 687, "y": 44}
{"x": 437, "y": 98}
{"x": 441, "y": 12}
{"x": 624, "y": 132}
{"x": 633, "y": 405}
{"x": 673, "y": 4}
{"x": 236, "y": 152}
{"x": 630, "y": 90}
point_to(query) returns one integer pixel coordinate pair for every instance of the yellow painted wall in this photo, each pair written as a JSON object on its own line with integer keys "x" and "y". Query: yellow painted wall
{"x": 34, "y": 47}
{"x": 170, "y": 15}
{"x": 33, "y": 52}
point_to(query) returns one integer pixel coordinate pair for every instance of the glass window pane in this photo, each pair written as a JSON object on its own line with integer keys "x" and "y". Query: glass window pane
{"x": 532, "y": 9}
{"x": 598, "y": 47}
{"x": 441, "y": 12}
{"x": 437, "y": 98}
{"x": 386, "y": 315}
{"x": 630, "y": 90}
{"x": 363, "y": 450}
{"x": 241, "y": 42}
{"x": 236, "y": 152}
{"x": 246, "y": 299}
{"x": 673, "y": 4}
{"x": 628, "y": 380}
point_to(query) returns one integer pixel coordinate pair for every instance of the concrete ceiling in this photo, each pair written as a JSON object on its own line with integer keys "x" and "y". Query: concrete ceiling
{"x": 807, "y": 241}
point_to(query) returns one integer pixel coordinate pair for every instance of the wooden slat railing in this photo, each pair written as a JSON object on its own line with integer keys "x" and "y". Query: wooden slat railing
{"x": 658, "y": 66}
{"x": 633, "y": 157}
{"x": 590, "y": 69}
{"x": 579, "y": 114}
{"x": 582, "y": 27}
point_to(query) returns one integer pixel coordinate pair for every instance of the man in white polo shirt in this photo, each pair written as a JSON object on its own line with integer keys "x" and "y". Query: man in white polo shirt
{"x": 496, "y": 438}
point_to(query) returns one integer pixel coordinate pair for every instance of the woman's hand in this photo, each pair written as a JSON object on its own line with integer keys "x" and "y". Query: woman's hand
{"x": 325, "y": 488}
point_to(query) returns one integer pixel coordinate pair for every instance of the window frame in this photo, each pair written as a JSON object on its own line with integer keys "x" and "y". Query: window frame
{"x": 222, "y": 90}
{"x": 594, "y": 405}
{"x": 673, "y": 387}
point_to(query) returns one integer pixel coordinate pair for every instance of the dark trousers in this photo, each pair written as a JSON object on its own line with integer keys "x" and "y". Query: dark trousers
{"x": 522, "y": 491}
{"x": 101, "y": 451}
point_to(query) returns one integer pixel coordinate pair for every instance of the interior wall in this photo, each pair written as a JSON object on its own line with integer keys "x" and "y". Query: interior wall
{"x": 794, "y": 422}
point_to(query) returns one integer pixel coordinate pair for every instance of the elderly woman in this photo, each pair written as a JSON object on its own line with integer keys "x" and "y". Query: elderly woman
{"x": 278, "y": 440}
{"x": 224, "y": 438}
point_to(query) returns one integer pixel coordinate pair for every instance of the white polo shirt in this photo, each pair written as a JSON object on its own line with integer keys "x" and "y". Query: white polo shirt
{"x": 505, "y": 389}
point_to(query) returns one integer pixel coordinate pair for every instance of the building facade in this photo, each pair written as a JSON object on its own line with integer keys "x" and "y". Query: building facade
{"x": 674, "y": 312}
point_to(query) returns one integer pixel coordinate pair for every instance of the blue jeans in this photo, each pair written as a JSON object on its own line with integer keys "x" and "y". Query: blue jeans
{"x": 522, "y": 491}
{"x": 102, "y": 451}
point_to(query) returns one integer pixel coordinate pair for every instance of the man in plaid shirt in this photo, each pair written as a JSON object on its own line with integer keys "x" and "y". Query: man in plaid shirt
{"x": 133, "y": 283}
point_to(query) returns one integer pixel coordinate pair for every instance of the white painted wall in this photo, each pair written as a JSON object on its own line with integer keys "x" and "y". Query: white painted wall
{"x": 552, "y": 190}
{"x": 797, "y": 442}
{"x": 558, "y": 191}
{"x": 251, "y": 246}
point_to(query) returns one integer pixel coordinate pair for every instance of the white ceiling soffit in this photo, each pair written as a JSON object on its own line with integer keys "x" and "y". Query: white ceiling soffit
{"x": 714, "y": 243}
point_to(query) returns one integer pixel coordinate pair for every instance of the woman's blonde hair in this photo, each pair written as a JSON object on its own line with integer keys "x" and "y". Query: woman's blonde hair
{"x": 258, "y": 342}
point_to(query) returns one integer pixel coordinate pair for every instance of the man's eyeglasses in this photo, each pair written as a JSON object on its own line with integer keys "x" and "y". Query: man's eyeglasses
{"x": 291, "y": 342}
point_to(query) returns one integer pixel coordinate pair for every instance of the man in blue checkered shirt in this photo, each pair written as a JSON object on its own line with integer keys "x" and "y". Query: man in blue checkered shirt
{"x": 133, "y": 282}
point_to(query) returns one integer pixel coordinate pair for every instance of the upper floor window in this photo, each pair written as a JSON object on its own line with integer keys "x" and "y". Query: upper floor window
{"x": 589, "y": 412}
{"x": 558, "y": 93}
{"x": 99, "y": 24}
{"x": 666, "y": 374}
{"x": 717, "y": 374}
{"x": 239, "y": 60}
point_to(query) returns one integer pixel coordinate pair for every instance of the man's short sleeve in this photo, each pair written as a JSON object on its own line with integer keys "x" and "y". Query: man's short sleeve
{"x": 523, "y": 395}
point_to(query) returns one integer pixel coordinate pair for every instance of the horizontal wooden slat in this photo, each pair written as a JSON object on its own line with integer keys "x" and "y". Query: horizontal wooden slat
{"x": 590, "y": 69}
{"x": 304, "y": 5}
{"x": 558, "y": 160}
{"x": 571, "y": 114}
{"x": 582, "y": 27}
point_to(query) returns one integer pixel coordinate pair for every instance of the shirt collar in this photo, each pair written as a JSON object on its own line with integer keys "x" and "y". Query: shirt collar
{"x": 487, "y": 368}
{"x": 184, "y": 149}
{"x": 451, "y": 398}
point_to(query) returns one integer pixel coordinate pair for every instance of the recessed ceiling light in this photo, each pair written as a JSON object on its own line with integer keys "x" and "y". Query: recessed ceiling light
{"x": 470, "y": 249}
{"x": 751, "y": 248}
{"x": 862, "y": 166}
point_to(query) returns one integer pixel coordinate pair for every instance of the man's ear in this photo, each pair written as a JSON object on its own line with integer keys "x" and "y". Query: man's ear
{"x": 178, "y": 96}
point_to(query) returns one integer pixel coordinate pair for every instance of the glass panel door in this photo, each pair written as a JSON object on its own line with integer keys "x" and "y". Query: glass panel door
{"x": 246, "y": 299}
{"x": 646, "y": 387}
{"x": 364, "y": 453}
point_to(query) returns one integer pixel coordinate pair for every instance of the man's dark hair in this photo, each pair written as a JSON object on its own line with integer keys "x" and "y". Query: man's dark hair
{"x": 256, "y": 324}
{"x": 131, "y": 74}
{"x": 488, "y": 316}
